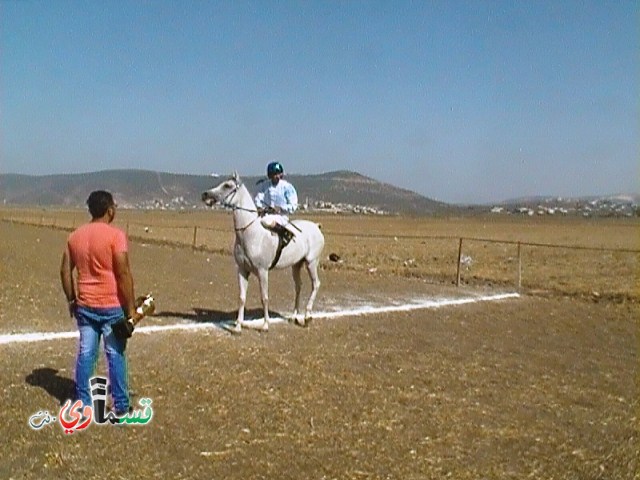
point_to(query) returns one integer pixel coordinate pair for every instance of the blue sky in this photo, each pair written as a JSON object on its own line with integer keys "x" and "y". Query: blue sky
{"x": 462, "y": 101}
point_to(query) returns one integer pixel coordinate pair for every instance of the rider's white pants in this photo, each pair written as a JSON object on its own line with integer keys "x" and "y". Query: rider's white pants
{"x": 270, "y": 220}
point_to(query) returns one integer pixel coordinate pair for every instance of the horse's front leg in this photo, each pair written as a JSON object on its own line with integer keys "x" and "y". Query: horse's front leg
{"x": 297, "y": 281}
{"x": 243, "y": 282}
{"x": 263, "y": 280}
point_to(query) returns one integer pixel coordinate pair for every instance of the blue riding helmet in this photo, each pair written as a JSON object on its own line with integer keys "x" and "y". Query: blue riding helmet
{"x": 274, "y": 168}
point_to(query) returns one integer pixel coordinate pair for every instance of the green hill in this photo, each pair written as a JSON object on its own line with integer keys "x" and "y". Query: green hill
{"x": 142, "y": 188}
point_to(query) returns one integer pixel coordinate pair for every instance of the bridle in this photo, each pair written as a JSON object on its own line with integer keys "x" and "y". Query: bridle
{"x": 225, "y": 202}
{"x": 233, "y": 192}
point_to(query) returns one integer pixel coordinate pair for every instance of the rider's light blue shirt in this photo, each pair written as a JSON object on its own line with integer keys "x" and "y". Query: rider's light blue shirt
{"x": 282, "y": 195}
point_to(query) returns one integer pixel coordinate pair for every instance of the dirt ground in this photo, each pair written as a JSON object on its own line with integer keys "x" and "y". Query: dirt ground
{"x": 531, "y": 387}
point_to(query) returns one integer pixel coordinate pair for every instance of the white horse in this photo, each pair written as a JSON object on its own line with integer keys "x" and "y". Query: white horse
{"x": 256, "y": 247}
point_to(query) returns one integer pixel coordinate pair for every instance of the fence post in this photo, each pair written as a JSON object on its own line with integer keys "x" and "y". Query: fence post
{"x": 519, "y": 266}
{"x": 195, "y": 234}
{"x": 459, "y": 259}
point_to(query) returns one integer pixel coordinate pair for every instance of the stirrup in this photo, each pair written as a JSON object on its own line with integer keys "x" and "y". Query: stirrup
{"x": 284, "y": 233}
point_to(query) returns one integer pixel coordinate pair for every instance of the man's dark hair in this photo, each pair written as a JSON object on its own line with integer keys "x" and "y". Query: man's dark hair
{"x": 99, "y": 202}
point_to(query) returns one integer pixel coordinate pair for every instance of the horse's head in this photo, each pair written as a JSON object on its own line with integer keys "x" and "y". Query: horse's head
{"x": 224, "y": 193}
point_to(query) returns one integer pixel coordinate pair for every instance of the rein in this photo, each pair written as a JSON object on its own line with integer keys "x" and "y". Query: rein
{"x": 242, "y": 229}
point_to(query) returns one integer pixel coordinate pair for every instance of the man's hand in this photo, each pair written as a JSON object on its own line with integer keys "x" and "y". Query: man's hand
{"x": 268, "y": 210}
{"x": 72, "y": 307}
{"x": 133, "y": 315}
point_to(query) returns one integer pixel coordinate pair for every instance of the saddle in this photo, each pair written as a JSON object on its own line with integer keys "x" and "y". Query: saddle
{"x": 284, "y": 237}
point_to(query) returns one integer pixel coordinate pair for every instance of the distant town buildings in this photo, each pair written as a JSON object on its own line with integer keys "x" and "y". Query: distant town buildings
{"x": 176, "y": 203}
{"x": 598, "y": 207}
{"x": 345, "y": 208}
{"x": 180, "y": 203}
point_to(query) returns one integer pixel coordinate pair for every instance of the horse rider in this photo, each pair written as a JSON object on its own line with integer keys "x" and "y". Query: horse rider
{"x": 276, "y": 200}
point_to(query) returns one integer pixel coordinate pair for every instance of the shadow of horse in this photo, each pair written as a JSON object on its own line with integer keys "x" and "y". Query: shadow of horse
{"x": 222, "y": 319}
{"x": 48, "y": 379}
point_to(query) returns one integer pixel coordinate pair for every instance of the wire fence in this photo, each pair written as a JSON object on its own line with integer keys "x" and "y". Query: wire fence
{"x": 574, "y": 270}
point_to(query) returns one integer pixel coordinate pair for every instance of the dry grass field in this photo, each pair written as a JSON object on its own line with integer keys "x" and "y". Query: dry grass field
{"x": 542, "y": 386}
{"x": 586, "y": 257}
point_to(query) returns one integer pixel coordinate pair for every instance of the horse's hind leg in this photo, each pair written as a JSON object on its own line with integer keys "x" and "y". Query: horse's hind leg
{"x": 312, "y": 268}
{"x": 297, "y": 281}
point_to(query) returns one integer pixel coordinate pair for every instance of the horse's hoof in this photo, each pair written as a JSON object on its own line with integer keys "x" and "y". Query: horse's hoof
{"x": 302, "y": 322}
{"x": 296, "y": 319}
{"x": 237, "y": 328}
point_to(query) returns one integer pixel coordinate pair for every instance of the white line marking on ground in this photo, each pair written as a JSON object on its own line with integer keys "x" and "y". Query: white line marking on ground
{"x": 366, "y": 310}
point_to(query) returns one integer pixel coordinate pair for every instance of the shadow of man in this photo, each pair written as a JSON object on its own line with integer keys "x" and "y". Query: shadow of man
{"x": 48, "y": 379}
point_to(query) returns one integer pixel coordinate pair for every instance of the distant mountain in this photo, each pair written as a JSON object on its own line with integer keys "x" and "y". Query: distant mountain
{"x": 143, "y": 189}
{"x": 352, "y": 188}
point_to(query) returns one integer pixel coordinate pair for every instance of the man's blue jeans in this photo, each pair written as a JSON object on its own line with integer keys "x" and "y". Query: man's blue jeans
{"x": 92, "y": 324}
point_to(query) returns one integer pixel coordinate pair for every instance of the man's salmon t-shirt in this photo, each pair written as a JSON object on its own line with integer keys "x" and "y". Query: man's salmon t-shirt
{"x": 92, "y": 248}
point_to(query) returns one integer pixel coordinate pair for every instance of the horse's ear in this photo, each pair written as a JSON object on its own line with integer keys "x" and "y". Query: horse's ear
{"x": 235, "y": 176}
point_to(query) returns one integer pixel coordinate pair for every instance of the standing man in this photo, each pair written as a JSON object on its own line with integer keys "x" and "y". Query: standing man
{"x": 100, "y": 295}
{"x": 276, "y": 200}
